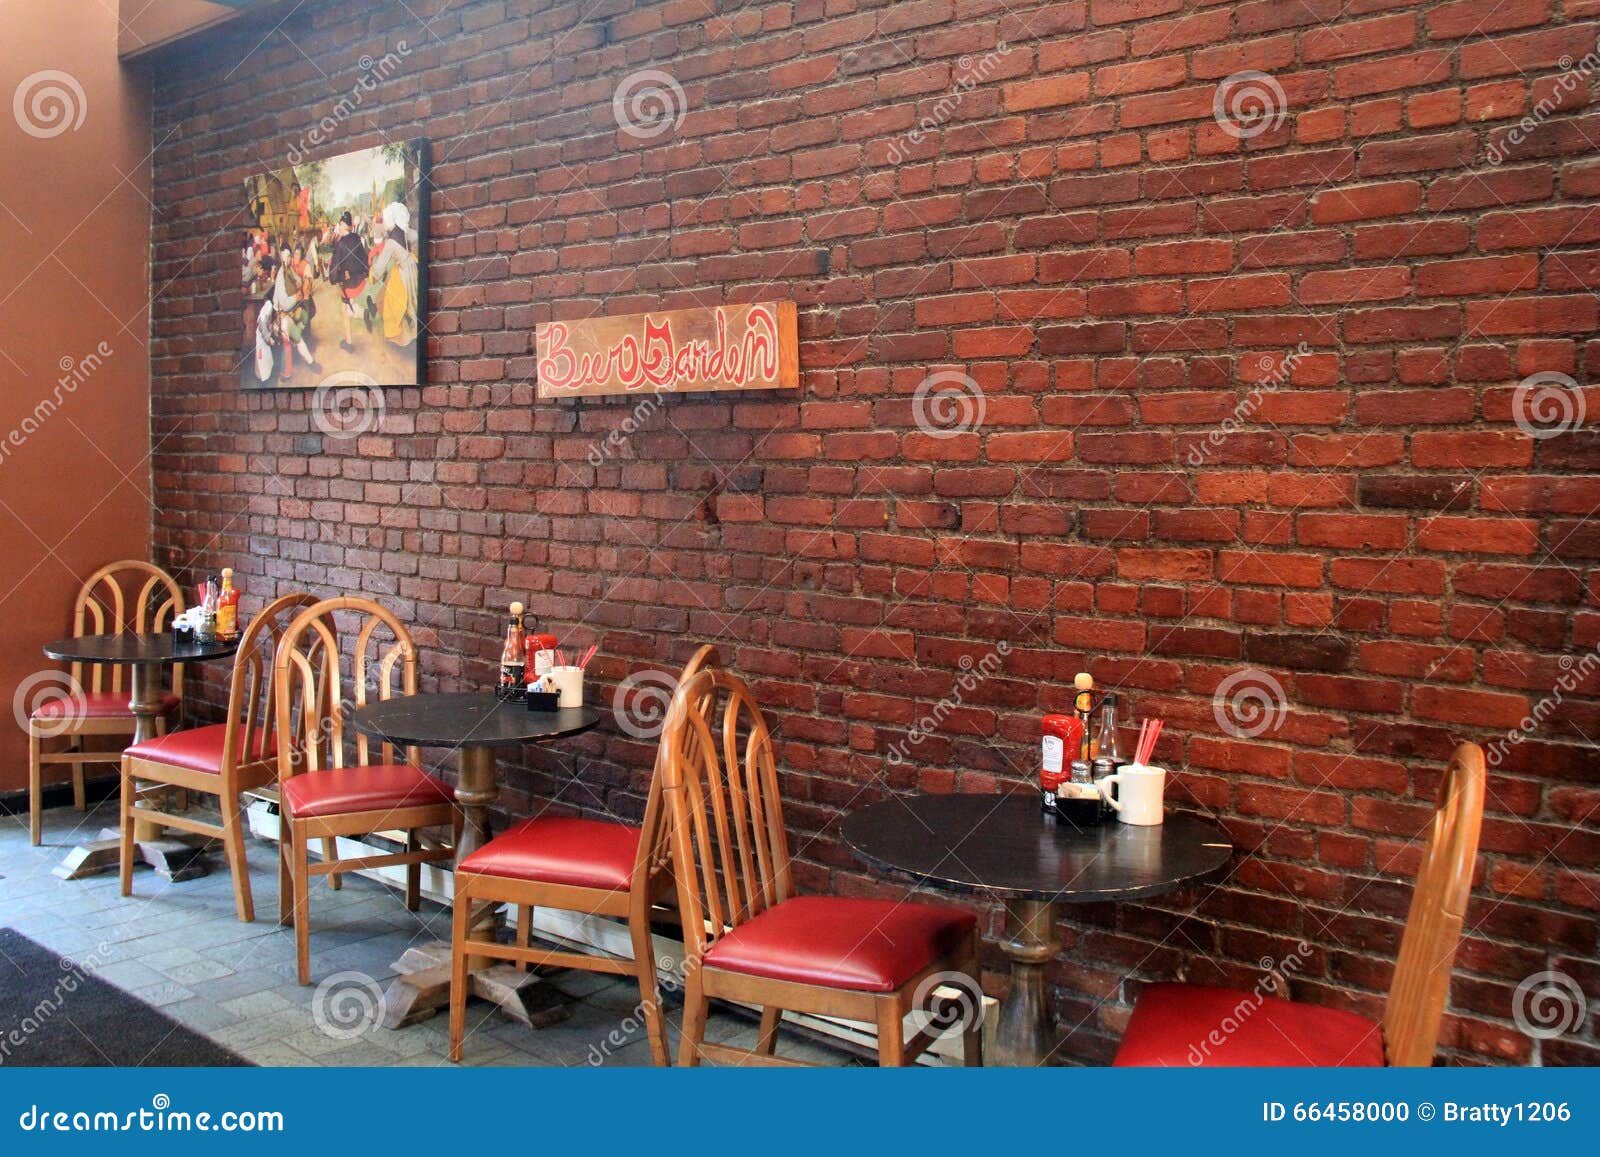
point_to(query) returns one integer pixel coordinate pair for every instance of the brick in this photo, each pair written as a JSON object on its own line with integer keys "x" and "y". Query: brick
{"x": 1346, "y": 285}
{"x": 1365, "y": 202}
{"x": 1471, "y": 277}
{"x": 1391, "y": 73}
{"x": 1349, "y": 38}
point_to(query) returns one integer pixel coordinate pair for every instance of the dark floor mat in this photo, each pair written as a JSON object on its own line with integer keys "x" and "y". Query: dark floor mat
{"x": 53, "y": 1011}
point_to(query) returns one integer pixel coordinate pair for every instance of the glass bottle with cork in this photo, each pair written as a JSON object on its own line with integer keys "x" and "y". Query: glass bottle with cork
{"x": 512, "y": 658}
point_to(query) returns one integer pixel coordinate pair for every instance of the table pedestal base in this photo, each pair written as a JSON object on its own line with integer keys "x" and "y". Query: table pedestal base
{"x": 175, "y": 858}
{"x": 1026, "y": 1035}
{"x": 423, "y": 988}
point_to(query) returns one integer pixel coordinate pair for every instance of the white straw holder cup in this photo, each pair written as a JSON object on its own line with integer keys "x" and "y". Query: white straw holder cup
{"x": 568, "y": 683}
{"x": 1140, "y": 789}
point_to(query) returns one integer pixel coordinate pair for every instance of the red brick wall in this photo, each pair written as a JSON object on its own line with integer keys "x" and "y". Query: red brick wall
{"x": 1149, "y": 493}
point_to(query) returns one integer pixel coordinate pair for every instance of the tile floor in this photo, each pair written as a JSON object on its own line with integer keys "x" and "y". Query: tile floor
{"x": 180, "y": 947}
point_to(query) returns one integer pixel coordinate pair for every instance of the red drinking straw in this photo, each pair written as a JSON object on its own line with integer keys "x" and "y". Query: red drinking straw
{"x": 1149, "y": 732}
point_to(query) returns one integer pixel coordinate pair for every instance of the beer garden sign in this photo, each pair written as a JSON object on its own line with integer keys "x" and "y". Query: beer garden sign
{"x": 724, "y": 347}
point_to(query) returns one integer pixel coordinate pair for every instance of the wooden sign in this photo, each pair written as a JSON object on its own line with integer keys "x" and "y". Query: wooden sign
{"x": 725, "y": 347}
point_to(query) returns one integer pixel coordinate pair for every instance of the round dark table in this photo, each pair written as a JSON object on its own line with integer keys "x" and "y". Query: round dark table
{"x": 468, "y": 719}
{"x": 473, "y": 724}
{"x": 1003, "y": 847}
{"x": 146, "y": 654}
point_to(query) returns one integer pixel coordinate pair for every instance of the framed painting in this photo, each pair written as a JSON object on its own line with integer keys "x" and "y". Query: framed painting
{"x": 333, "y": 265}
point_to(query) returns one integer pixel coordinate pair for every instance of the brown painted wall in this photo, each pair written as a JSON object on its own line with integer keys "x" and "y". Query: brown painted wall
{"x": 74, "y": 296}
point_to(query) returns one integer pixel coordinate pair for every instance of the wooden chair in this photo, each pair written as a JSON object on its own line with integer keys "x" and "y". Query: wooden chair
{"x": 321, "y": 794}
{"x": 122, "y": 596}
{"x": 222, "y": 759}
{"x": 748, "y": 937}
{"x": 577, "y": 865}
{"x": 1181, "y": 1024}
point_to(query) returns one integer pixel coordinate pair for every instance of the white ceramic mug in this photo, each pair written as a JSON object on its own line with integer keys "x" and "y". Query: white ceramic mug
{"x": 568, "y": 683}
{"x": 1139, "y": 791}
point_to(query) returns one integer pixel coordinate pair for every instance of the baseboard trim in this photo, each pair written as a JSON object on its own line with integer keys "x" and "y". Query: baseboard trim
{"x": 97, "y": 790}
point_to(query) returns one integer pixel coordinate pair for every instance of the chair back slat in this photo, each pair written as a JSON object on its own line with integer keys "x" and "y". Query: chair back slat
{"x": 308, "y": 693}
{"x": 764, "y": 809}
{"x": 655, "y": 843}
{"x": 729, "y": 850}
{"x": 127, "y": 595}
{"x": 1421, "y": 986}
{"x": 252, "y": 713}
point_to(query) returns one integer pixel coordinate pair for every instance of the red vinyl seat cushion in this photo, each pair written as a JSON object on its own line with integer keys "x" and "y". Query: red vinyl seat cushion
{"x": 96, "y": 705}
{"x": 200, "y": 748}
{"x": 561, "y": 850}
{"x": 342, "y": 790}
{"x": 1193, "y": 1025}
{"x": 842, "y": 942}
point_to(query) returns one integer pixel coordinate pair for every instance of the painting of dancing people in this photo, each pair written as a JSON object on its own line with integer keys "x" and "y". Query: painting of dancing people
{"x": 333, "y": 270}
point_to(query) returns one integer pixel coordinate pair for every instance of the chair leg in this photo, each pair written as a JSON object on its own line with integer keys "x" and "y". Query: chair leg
{"x": 35, "y": 788}
{"x": 238, "y": 864}
{"x": 125, "y": 864}
{"x": 413, "y": 874}
{"x": 972, "y": 1045}
{"x": 302, "y": 914}
{"x": 891, "y": 1033}
{"x": 644, "y": 960}
{"x": 330, "y": 853}
{"x": 525, "y": 933}
{"x": 285, "y": 876}
{"x": 696, "y": 1007}
{"x": 972, "y": 1035}
{"x": 80, "y": 800}
{"x": 459, "y": 931}
{"x": 767, "y": 1038}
